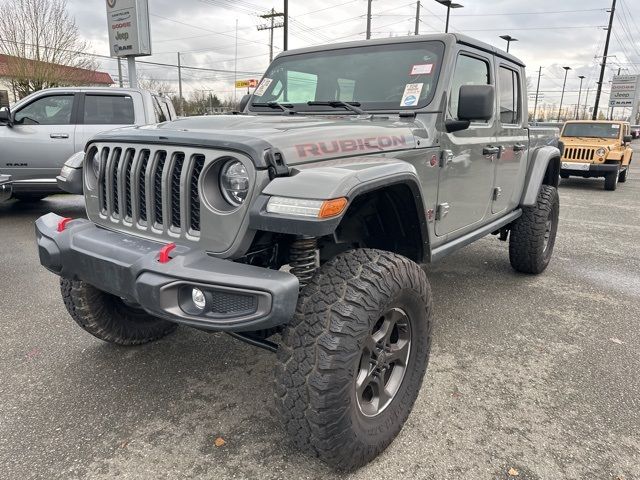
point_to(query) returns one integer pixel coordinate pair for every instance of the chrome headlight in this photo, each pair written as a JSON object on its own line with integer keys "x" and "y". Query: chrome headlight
{"x": 601, "y": 152}
{"x": 234, "y": 182}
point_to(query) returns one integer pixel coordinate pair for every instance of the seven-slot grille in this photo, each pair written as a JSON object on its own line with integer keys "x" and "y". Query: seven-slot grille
{"x": 151, "y": 187}
{"x": 577, "y": 153}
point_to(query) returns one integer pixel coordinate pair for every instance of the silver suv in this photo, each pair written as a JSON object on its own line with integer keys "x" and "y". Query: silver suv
{"x": 44, "y": 129}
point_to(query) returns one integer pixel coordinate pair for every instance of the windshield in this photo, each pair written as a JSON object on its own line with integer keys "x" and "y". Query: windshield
{"x": 378, "y": 77}
{"x": 592, "y": 130}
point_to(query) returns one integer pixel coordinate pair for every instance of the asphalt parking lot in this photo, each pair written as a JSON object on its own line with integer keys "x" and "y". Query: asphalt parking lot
{"x": 537, "y": 374}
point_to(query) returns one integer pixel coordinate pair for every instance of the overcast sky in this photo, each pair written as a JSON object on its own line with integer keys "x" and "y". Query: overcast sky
{"x": 551, "y": 33}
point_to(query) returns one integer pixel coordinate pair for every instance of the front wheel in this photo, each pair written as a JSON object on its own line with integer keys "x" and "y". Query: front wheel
{"x": 611, "y": 180}
{"x": 108, "y": 317}
{"x": 352, "y": 361}
{"x": 533, "y": 235}
{"x": 622, "y": 178}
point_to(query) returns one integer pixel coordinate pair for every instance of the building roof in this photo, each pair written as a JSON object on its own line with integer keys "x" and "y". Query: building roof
{"x": 72, "y": 75}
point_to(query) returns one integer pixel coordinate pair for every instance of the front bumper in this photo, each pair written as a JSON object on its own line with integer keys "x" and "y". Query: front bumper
{"x": 239, "y": 297}
{"x": 594, "y": 170}
{"x": 5, "y": 187}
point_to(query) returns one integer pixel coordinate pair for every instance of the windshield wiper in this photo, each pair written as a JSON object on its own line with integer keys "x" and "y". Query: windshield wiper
{"x": 285, "y": 107}
{"x": 353, "y": 106}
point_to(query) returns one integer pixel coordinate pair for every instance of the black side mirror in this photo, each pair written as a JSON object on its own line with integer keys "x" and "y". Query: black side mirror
{"x": 475, "y": 102}
{"x": 6, "y": 117}
{"x": 244, "y": 101}
{"x": 627, "y": 139}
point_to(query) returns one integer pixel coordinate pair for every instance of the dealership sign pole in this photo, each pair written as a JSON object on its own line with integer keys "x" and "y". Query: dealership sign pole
{"x": 129, "y": 32}
{"x": 624, "y": 93}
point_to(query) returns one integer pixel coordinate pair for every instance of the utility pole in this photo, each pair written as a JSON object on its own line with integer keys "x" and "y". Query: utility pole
{"x": 180, "y": 86}
{"x": 417, "y": 30}
{"x": 581, "y": 77}
{"x": 285, "y": 45}
{"x": 566, "y": 71}
{"x": 120, "y": 72}
{"x": 535, "y": 104}
{"x": 271, "y": 26}
{"x": 604, "y": 62}
{"x": 369, "y": 19}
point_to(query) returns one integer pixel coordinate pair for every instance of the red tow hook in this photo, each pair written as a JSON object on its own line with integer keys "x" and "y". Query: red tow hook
{"x": 62, "y": 224}
{"x": 165, "y": 251}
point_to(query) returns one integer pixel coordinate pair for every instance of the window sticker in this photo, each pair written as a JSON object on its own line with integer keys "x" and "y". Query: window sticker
{"x": 411, "y": 94}
{"x": 422, "y": 69}
{"x": 615, "y": 126}
{"x": 264, "y": 84}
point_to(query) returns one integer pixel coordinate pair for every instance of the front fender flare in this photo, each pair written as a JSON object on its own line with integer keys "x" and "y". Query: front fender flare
{"x": 328, "y": 182}
{"x": 544, "y": 169}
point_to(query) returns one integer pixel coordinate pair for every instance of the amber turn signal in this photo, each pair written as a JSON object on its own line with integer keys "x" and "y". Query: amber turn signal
{"x": 332, "y": 208}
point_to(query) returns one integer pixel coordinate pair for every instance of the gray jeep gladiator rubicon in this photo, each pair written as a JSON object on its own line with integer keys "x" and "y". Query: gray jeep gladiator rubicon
{"x": 299, "y": 224}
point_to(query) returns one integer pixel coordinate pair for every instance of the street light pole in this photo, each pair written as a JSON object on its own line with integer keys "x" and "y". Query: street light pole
{"x": 566, "y": 71}
{"x": 581, "y": 77}
{"x": 449, "y": 4}
{"x": 508, "y": 39}
{"x": 535, "y": 104}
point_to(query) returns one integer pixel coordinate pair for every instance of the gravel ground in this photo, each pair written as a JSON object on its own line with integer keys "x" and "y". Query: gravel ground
{"x": 538, "y": 374}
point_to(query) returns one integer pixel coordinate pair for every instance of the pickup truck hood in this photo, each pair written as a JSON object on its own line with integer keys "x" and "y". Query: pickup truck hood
{"x": 300, "y": 138}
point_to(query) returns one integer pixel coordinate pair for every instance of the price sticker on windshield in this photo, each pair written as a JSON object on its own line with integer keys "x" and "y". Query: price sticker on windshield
{"x": 264, "y": 84}
{"x": 411, "y": 94}
{"x": 422, "y": 69}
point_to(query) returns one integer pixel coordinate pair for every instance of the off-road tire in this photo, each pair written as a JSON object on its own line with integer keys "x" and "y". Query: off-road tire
{"x": 530, "y": 249}
{"x": 109, "y": 318}
{"x": 622, "y": 177}
{"x": 322, "y": 350}
{"x": 611, "y": 180}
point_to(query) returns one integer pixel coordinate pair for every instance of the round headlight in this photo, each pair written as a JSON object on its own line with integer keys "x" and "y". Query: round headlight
{"x": 601, "y": 152}
{"x": 234, "y": 182}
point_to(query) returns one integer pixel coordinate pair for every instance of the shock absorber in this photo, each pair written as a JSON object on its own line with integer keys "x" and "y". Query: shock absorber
{"x": 302, "y": 258}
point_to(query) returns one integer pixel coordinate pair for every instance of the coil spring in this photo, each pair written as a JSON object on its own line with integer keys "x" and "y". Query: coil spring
{"x": 302, "y": 259}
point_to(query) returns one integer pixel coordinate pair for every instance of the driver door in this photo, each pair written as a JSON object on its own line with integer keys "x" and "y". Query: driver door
{"x": 41, "y": 139}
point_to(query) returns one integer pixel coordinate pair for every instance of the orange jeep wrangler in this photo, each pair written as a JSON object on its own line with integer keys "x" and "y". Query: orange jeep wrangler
{"x": 596, "y": 149}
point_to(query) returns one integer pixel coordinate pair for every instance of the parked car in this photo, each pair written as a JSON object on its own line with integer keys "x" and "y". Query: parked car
{"x": 308, "y": 215}
{"x": 45, "y": 128}
{"x": 635, "y": 131}
{"x": 597, "y": 148}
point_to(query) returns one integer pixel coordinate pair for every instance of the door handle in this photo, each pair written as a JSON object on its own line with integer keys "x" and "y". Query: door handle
{"x": 59, "y": 135}
{"x": 518, "y": 147}
{"x": 490, "y": 150}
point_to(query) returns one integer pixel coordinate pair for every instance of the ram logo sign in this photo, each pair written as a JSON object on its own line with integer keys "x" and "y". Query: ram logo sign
{"x": 128, "y": 24}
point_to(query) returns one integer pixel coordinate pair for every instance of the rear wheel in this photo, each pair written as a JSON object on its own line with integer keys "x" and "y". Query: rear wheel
{"x": 352, "y": 360}
{"x": 611, "y": 179}
{"x": 533, "y": 235}
{"x": 109, "y": 318}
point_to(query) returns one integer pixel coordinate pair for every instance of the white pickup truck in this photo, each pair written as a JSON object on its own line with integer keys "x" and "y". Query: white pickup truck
{"x": 44, "y": 129}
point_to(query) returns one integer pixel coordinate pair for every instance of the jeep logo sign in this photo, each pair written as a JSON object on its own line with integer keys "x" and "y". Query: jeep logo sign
{"x": 128, "y": 24}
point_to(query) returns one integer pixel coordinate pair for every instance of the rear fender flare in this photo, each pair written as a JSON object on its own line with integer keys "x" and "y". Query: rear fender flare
{"x": 543, "y": 170}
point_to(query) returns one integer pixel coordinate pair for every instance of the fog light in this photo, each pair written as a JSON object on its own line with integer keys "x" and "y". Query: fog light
{"x": 198, "y": 298}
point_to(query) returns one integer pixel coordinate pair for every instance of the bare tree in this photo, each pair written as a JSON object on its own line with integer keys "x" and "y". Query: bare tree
{"x": 149, "y": 83}
{"x": 41, "y": 41}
